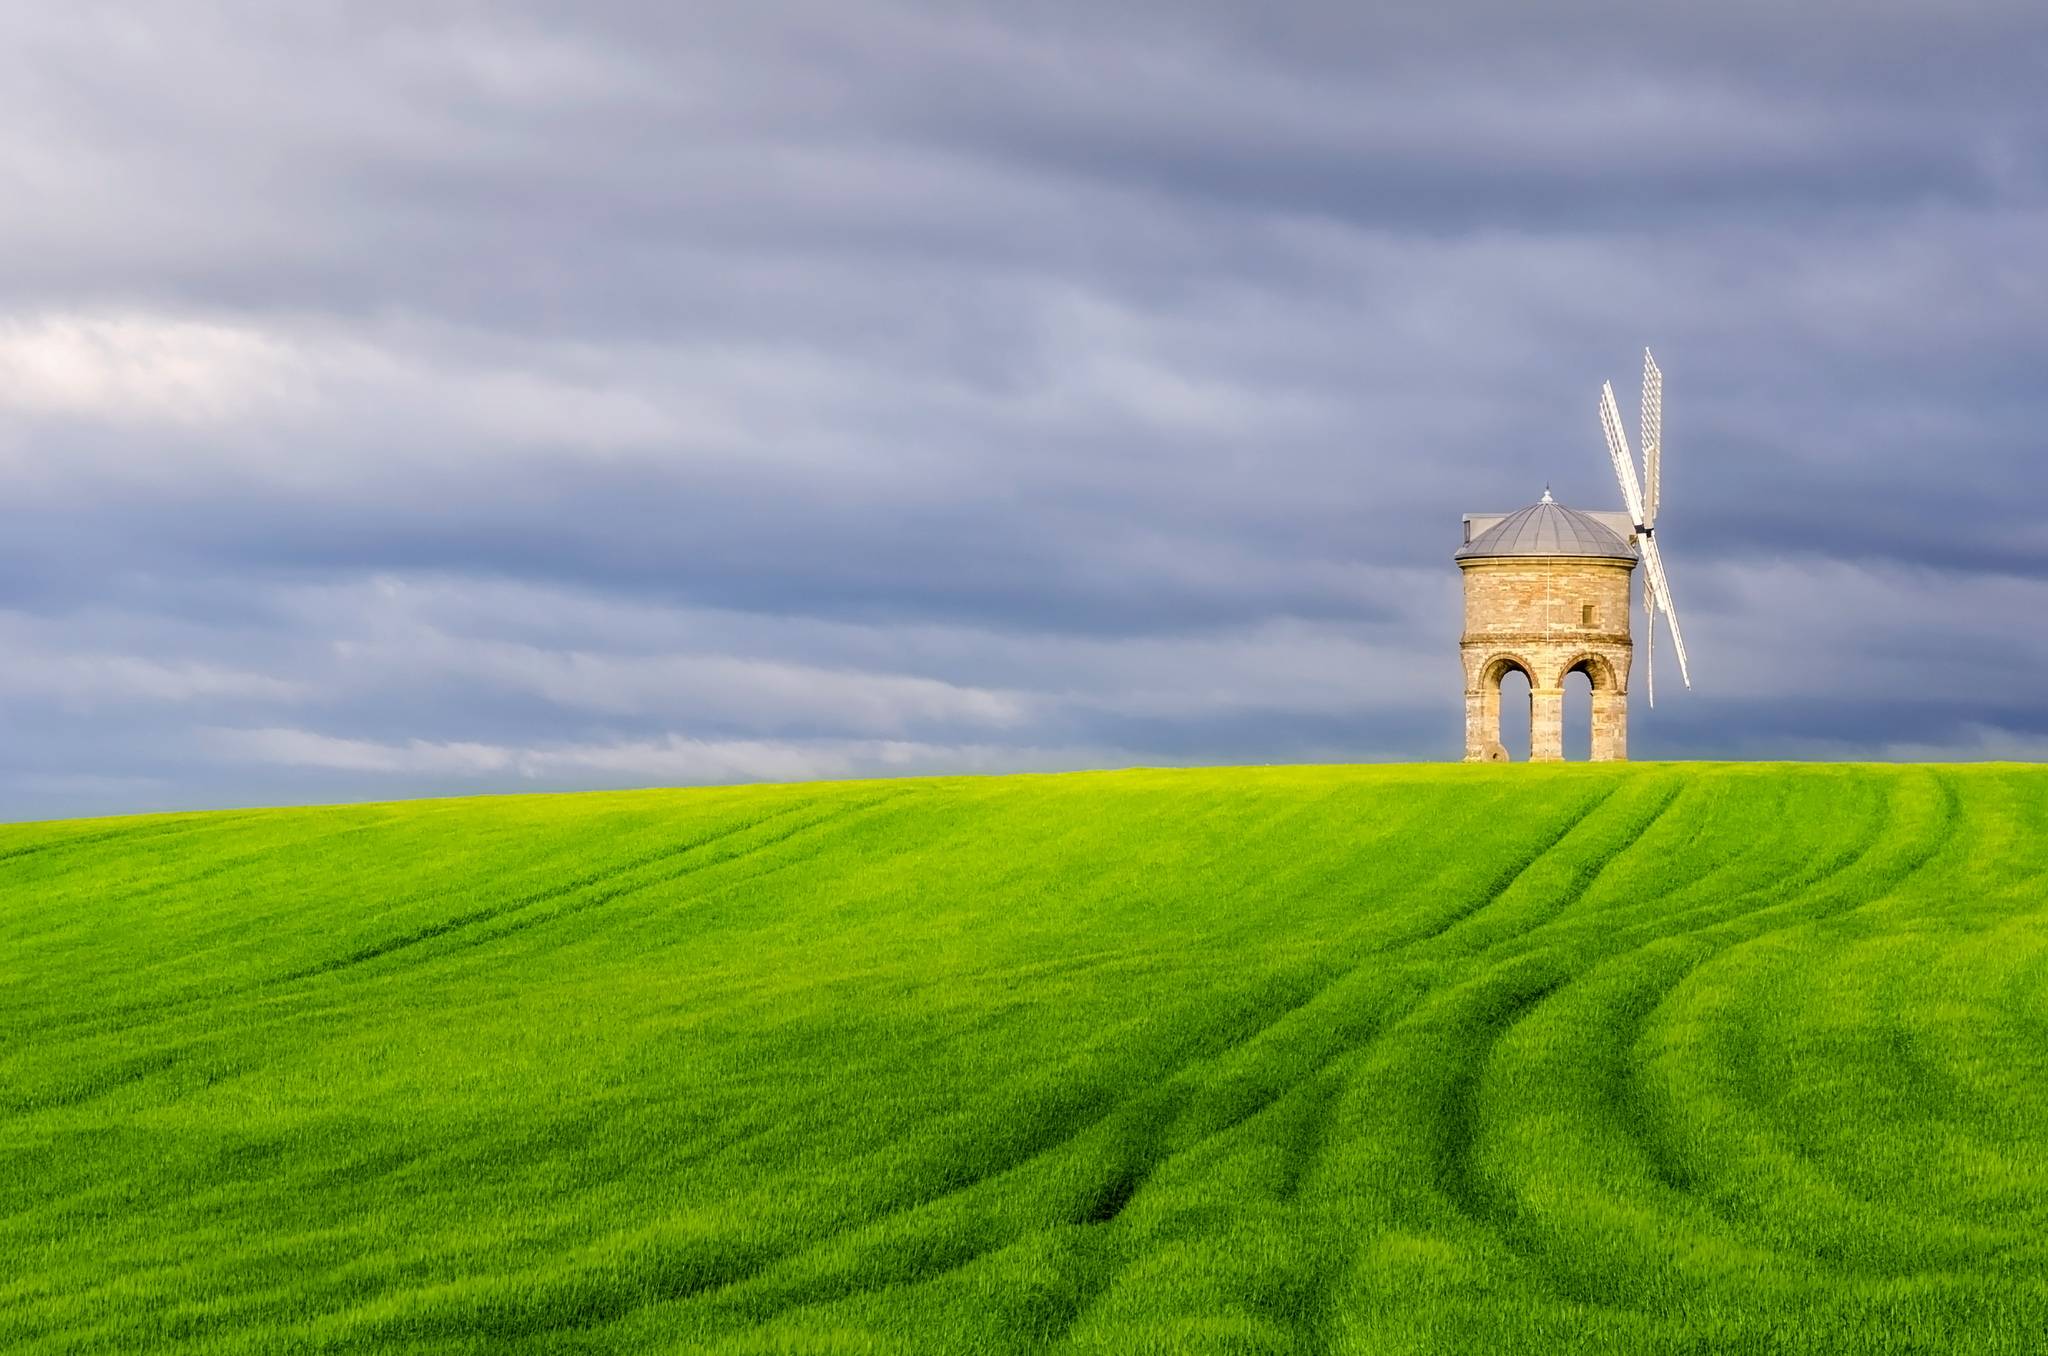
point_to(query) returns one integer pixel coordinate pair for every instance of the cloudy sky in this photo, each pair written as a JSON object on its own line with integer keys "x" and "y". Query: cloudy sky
{"x": 415, "y": 399}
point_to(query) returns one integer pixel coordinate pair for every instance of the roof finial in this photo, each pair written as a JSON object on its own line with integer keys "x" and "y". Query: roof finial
{"x": 1546, "y": 495}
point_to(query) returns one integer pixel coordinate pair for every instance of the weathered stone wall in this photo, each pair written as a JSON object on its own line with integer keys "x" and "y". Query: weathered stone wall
{"x": 1546, "y": 617}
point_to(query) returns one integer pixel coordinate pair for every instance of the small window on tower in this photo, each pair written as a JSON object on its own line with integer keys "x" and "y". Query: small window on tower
{"x": 1586, "y": 614}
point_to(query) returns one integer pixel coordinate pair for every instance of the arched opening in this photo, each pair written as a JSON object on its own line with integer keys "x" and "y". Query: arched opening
{"x": 1578, "y": 714}
{"x": 1513, "y": 729}
{"x": 1593, "y": 720}
{"x": 1499, "y": 710}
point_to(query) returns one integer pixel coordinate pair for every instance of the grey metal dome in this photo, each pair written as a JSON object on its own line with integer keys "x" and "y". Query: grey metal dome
{"x": 1548, "y": 528}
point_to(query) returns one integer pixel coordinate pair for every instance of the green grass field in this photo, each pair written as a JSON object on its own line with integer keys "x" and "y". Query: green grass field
{"x": 1626, "y": 1058}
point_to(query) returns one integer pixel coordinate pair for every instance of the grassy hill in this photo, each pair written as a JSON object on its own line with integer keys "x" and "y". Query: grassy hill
{"x": 1312, "y": 1059}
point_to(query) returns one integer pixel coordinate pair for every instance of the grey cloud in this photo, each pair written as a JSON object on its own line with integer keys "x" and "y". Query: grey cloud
{"x": 564, "y": 393}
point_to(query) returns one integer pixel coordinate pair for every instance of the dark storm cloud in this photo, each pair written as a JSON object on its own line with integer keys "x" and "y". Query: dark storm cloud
{"x": 418, "y": 398}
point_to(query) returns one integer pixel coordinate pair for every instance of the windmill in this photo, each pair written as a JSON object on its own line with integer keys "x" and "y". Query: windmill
{"x": 1641, "y": 501}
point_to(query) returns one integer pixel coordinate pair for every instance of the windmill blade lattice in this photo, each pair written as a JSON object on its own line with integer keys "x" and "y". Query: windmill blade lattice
{"x": 1653, "y": 436}
{"x": 1640, "y": 498}
{"x": 1654, "y": 559}
{"x": 1617, "y": 448}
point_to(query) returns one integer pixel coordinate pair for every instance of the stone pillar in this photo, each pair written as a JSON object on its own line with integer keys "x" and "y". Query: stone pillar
{"x": 1546, "y": 724}
{"x": 1610, "y": 725}
{"x": 1482, "y": 722}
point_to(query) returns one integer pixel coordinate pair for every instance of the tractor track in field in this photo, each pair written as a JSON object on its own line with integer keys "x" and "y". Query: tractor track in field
{"x": 168, "y": 1059}
{"x": 1325, "y": 1089}
{"x": 1657, "y": 1142}
{"x": 1159, "y": 1111}
{"x": 526, "y": 919}
{"x": 1121, "y": 1186}
{"x": 700, "y": 1284}
{"x": 1741, "y": 915}
{"x": 1273, "y": 1017}
{"x": 518, "y": 911}
{"x": 1364, "y": 1108}
{"x": 1458, "y": 1175}
{"x": 1530, "y": 978}
{"x": 1538, "y": 981}
{"x": 1125, "y": 1183}
{"x": 1942, "y": 835}
{"x": 1505, "y": 881}
{"x": 115, "y": 1015}
{"x": 1738, "y": 917}
{"x": 612, "y": 871}
{"x": 126, "y": 834}
{"x": 1358, "y": 1040}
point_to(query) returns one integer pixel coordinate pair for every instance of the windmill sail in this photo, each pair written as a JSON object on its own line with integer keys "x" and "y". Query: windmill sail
{"x": 1653, "y": 435}
{"x": 1650, "y": 641}
{"x": 1640, "y": 499}
{"x": 1654, "y": 559}
{"x": 1617, "y": 448}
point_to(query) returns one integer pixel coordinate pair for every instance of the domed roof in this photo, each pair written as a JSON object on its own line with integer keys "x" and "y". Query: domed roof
{"x": 1548, "y": 528}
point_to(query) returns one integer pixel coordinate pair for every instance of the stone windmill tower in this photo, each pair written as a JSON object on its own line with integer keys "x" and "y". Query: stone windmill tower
{"x": 1547, "y": 593}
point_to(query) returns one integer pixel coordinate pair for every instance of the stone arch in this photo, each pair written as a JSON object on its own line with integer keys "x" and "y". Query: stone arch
{"x": 1482, "y": 705}
{"x": 1609, "y": 716}
{"x": 1497, "y": 665}
{"x": 1597, "y": 667}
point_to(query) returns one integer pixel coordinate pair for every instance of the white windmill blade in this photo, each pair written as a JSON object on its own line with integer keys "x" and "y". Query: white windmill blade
{"x": 1650, "y": 660}
{"x": 1654, "y": 560}
{"x": 1617, "y": 448}
{"x": 1650, "y": 639}
{"x": 1653, "y": 435}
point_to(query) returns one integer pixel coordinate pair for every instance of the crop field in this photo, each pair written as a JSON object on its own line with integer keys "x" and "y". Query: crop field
{"x": 1622, "y": 1058}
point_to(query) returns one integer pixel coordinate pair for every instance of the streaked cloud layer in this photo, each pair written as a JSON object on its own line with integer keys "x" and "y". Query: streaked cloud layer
{"x": 414, "y": 399}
